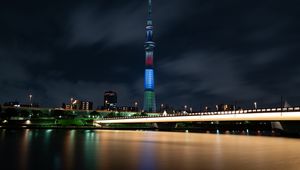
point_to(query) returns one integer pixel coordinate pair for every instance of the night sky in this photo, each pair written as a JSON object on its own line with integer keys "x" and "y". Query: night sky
{"x": 208, "y": 52}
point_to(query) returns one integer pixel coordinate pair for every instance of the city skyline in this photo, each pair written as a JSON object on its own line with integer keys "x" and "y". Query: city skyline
{"x": 209, "y": 52}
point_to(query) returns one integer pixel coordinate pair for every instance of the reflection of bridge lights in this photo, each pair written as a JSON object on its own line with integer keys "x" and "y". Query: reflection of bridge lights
{"x": 28, "y": 122}
{"x": 48, "y": 130}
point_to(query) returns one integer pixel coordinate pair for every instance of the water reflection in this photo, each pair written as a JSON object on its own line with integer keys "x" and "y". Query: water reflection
{"x": 68, "y": 150}
{"x": 47, "y": 138}
{"x": 2, "y": 134}
{"x": 89, "y": 149}
{"x": 146, "y": 154}
{"x": 24, "y": 147}
{"x": 96, "y": 149}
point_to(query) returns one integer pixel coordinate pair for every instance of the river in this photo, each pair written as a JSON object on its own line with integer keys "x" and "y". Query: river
{"x": 104, "y": 149}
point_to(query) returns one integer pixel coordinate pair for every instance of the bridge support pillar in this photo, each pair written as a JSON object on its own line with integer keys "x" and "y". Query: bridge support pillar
{"x": 276, "y": 126}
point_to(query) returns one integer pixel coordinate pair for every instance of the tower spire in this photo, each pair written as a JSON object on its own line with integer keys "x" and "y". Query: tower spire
{"x": 149, "y": 20}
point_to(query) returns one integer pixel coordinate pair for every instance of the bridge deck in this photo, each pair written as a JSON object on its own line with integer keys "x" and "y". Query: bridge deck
{"x": 277, "y": 114}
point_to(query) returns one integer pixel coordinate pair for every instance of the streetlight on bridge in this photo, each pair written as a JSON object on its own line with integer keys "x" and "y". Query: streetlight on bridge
{"x": 255, "y": 105}
{"x": 185, "y": 107}
{"x": 162, "y": 107}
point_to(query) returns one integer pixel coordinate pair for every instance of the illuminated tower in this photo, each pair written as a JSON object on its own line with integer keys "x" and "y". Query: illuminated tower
{"x": 149, "y": 95}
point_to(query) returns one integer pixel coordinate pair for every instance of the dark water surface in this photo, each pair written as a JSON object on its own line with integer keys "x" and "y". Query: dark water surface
{"x": 97, "y": 149}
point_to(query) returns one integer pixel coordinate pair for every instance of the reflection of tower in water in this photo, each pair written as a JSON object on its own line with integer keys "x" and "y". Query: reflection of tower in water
{"x": 149, "y": 95}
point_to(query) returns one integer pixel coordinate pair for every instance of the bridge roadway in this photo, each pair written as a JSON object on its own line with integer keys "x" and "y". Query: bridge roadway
{"x": 271, "y": 114}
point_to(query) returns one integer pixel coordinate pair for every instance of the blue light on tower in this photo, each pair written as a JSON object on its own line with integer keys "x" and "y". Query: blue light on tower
{"x": 149, "y": 79}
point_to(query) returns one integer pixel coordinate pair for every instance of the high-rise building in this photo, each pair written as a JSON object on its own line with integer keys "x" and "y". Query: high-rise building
{"x": 149, "y": 95}
{"x": 110, "y": 100}
{"x": 78, "y": 105}
{"x": 86, "y": 105}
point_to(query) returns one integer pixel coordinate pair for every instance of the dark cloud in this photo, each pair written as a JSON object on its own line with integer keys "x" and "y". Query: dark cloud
{"x": 215, "y": 74}
{"x": 91, "y": 24}
{"x": 208, "y": 52}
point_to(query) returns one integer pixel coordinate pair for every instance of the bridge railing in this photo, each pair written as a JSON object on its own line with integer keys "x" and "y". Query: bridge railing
{"x": 246, "y": 111}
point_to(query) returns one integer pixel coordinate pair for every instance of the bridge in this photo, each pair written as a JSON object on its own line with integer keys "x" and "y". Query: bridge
{"x": 267, "y": 114}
